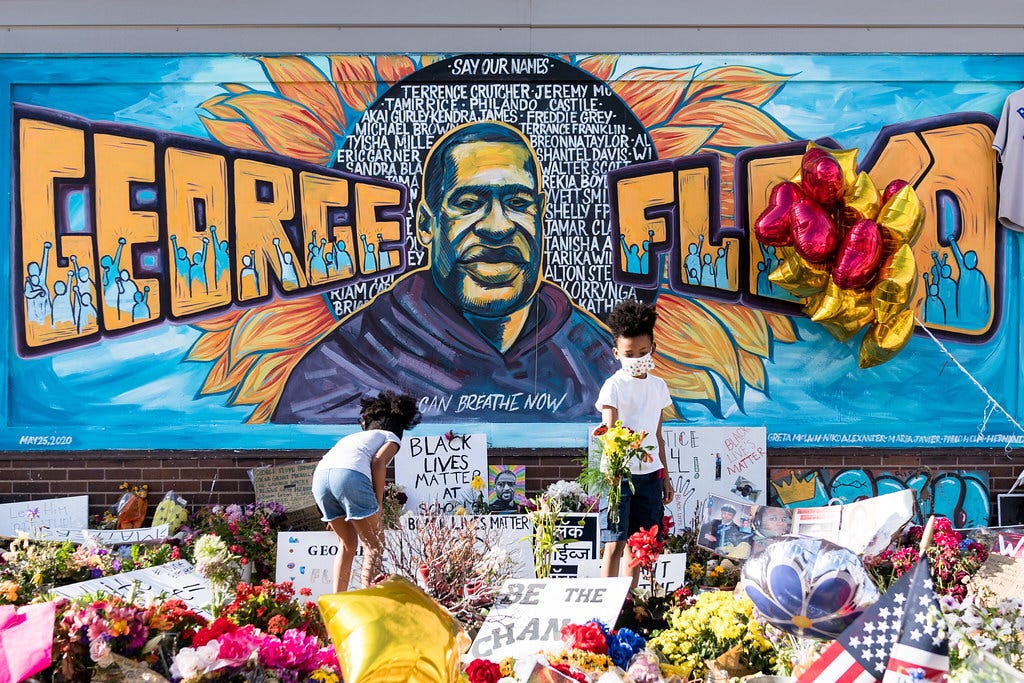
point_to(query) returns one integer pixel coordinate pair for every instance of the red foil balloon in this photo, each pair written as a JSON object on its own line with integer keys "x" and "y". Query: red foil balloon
{"x": 774, "y": 226}
{"x": 815, "y": 236}
{"x": 859, "y": 255}
{"x": 892, "y": 188}
{"x": 822, "y": 177}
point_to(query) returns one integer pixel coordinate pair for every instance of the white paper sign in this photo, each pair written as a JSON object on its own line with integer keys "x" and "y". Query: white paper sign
{"x": 669, "y": 573}
{"x": 864, "y": 526}
{"x": 175, "y": 579}
{"x": 31, "y": 515}
{"x": 151, "y": 534}
{"x": 582, "y": 544}
{"x": 528, "y": 615}
{"x": 440, "y": 469}
{"x": 724, "y": 461}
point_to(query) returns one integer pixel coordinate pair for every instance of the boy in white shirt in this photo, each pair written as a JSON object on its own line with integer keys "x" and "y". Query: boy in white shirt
{"x": 636, "y": 397}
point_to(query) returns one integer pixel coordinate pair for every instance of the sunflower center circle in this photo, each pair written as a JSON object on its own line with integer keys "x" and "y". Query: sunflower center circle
{"x": 800, "y": 621}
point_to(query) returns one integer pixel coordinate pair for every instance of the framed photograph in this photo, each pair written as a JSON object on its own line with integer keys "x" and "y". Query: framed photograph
{"x": 1011, "y": 509}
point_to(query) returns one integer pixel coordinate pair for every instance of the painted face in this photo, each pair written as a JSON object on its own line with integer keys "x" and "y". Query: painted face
{"x": 506, "y": 487}
{"x": 485, "y": 237}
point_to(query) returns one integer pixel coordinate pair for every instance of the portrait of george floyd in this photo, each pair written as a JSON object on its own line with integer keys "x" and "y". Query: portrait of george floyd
{"x": 507, "y": 487}
{"x": 479, "y": 319}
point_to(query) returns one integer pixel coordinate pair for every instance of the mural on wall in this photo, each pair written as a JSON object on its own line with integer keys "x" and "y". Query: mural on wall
{"x": 963, "y": 497}
{"x": 245, "y": 245}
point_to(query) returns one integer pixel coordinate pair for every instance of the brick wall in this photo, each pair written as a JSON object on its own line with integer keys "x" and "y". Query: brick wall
{"x": 222, "y": 476}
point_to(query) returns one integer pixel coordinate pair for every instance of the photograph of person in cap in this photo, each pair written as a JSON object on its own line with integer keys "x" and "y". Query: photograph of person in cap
{"x": 722, "y": 533}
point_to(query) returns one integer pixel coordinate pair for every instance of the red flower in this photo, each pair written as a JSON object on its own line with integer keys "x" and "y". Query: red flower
{"x": 483, "y": 671}
{"x": 570, "y": 672}
{"x": 600, "y": 430}
{"x": 215, "y": 630}
{"x": 645, "y": 548}
{"x": 587, "y": 637}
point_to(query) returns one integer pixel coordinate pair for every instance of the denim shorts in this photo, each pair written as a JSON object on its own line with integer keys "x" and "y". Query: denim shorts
{"x": 343, "y": 493}
{"x": 638, "y": 509}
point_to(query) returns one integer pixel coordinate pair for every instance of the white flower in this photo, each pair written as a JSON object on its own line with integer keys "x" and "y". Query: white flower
{"x": 191, "y": 662}
{"x": 99, "y": 651}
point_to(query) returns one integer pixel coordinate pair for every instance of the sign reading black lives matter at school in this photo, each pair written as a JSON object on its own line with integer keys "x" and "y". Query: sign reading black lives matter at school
{"x": 440, "y": 468}
{"x": 528, "y": 615}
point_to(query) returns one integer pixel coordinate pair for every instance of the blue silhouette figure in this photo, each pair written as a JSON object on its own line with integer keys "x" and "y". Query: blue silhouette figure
{"x": 197, "y": 271}
{"x": 221, "y": 259}
{"x": 126, "y": 291}
{"x": 707, "y": 271}
{"x": 973, "y": 303}
{"x": 765, "y": 287}
{"x": 63, "y": 311}
{"x": 943, "y": 275}
{"x": 632, "y": 251}
{"x": 140, "y": 309}
{"x": 182, "y": 264}
{"x": 340, "y": 258}
{"x": 110, "y": 267}
{"x": 369, "y": 262}
{"x": 692, "y": 261}
{"x": 37, "y": 294}
{"x": 86, "y": 312}
{"x": 383, "y": 256}
{"x": 83, "y": 280}
{"x": 933, "y": 311}
{"x": 722, "y": 267}
{"x": 289, "y": 278}
{"x": 317, "y": 259}
{"x": 249, "y": 275}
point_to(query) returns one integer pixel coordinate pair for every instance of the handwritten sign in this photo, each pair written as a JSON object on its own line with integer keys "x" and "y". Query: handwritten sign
{"x": 528, "y": 615}
{"x": 1002, "y": 575}
{"x": 152, "y": 534}
{"x": 31, "y": 515}
{"x": 172, "y": 580}
{"x": 669, "y": 573}
{"x": 291, "y": 486}
{"x": 705, "y": 461}
{"x": 439, "y": 469}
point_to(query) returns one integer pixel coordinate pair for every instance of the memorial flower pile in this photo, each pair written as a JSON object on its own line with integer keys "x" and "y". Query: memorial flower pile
{"x": 618, "y": 446}
{"x": 250, "y": 531}
{"x": 571, "y": 496}
{"x": 393, "y": 506}
{"x": 984, "y": 626}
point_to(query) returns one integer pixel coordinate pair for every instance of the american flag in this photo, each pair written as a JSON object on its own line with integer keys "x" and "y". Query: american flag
{"x": 899, "y": 639}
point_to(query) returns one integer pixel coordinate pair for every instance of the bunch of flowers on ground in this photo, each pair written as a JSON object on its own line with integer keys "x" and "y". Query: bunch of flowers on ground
{"x": 571, "y": 497}
{"x": 618, "y": 446}
{"x": 393, "y": 506}
{"x": 954, "y": 559}
{"x": 545, "y": 514}
{"x": 250, "y": 531}
{"x": 984, "y": 625}
{"x": 717, "y": 622}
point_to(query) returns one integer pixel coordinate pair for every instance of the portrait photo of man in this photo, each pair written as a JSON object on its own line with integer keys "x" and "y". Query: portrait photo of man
{"x": 507, "y": 489}
{"x": 480, "y": 320}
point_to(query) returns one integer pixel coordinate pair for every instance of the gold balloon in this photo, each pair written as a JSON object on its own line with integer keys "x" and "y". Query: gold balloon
{"x": 884, "y": 340}
{"x": 897, "y": 284}
{"x": 392, "y": 633}
{"x": 797, "y": 276}
{"x": 847, "y": 159}
{"x": 843, "y": 312}
{"x": 861, "y": 200}
{"x": 902, "y": 216}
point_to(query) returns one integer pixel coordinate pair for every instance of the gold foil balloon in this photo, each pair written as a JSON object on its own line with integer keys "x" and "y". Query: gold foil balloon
{"x": 861, "y": 201}
{"x": 885, "y": 340}
{"x": 897, "y": 284}
{"x": 797, "y": 276}
{"x": 843, "y": 312}
{"x": 393, "y": 633}
{"x": 902, "y": 215}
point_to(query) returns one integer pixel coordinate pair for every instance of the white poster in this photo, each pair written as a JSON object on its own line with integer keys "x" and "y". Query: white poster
{"x": 705, "y": 461}
{"x": 172, "y": 580}
{"x": 30, "y": 515}
{"x": 439, "y": 469}
{"x": 528, "y": 615}
{"x": 149, "y": 534}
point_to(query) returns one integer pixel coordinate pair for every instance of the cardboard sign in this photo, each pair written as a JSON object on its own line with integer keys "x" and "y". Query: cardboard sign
{"x": 172, "y": 580}
{"x": 291, "y": 486}
{"x": 32, "y": 515}
{"x": 706, "y": 461}
{"x": 1002, "y": 575}
{"x": 528, "y": 615}
{"x": 152, "y": 534}
{"x": 669, "y": 573}
{"x": 439, "y": 469}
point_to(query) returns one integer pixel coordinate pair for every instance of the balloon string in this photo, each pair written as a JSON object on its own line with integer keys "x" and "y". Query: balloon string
{"x": 993, "y": 404}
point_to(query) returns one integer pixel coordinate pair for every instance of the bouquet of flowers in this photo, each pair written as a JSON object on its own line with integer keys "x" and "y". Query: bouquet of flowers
{"x": 272, "y": 608}
{"x": 394, "y": 504}
{"x": 650, "y": 606}
{"x": 978, "y": 625}
{"x": 545, "y": 514}
{"x": 250, "y": 532}
{"x": 954, "y": 559}
{"x": 571, "y": 496}
{"x": 618, "y": 446}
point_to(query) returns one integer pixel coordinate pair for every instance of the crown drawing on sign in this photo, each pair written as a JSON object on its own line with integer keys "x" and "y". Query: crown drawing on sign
{"x": 796, "y": 489}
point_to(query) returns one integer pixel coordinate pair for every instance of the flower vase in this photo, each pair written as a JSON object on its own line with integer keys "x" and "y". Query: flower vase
{"x": 614, "y": 498}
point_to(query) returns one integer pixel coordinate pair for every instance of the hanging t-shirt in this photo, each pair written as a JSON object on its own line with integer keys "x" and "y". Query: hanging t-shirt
{"x": 639, "y": 402}
{"x": 355, "y": 451}
{"x": 1009, "y": 143}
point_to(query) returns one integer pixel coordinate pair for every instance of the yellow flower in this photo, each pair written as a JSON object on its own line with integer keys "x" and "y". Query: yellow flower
{"x": 324, "y": 676}
{"x": 460, "y": 510}
{"x": 38, "y": 579}
{"x": 477, "y": 484}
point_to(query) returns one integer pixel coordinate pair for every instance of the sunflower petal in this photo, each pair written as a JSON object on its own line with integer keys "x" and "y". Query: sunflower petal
{"x": 600, "y": 66}
{"x": 297, "y": 79}
{"x": 355, "y": 78}
{"x": 393, "y": 68}
{"x": 236, "y": 88}
{"x": 782, "y": 327}
{"x": 209, "y": 346}
{"x": 679, "y": 141}
{"x": 225, "y": 376}
{"x": 653, "y": 94}
{"x": 680, "y": 323}
{"x": 216, "y": 107}
{"x": 746, "y": 325}
{"x": 427, "y": 60}
{"x": 282, "y": 325}
{"x": 287, "y": 127}
{"x": 224, "y": 321}
{"x": 739, "y": 124}
{"x": 744, "y": 83}
{"x": 238, "y": 134}
{"x": 752, "y": 370}
{"x": 687, "y": 384}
